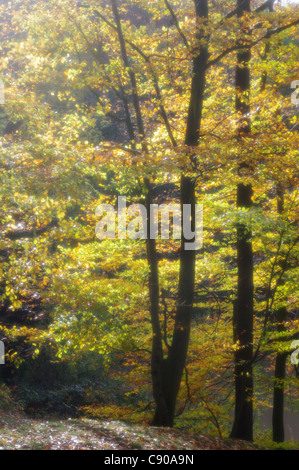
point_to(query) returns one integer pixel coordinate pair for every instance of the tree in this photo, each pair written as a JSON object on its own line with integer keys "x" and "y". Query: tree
{"x": 167, "y": 373}
{"x": 174, "y": 364}
{"x": 243, "y": 315}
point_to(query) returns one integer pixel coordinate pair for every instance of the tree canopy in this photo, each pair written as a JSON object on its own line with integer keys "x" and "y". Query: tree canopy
{"x": 182, "y": 102}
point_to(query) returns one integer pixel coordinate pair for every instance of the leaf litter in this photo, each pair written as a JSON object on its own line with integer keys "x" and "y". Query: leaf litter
{"x": 19, "y": 432}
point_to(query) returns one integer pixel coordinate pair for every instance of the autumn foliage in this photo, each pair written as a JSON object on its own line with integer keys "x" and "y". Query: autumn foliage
{"x": 99, "y": 102}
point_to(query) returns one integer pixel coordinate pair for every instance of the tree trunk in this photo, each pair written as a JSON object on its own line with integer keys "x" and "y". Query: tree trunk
{"x": 163, "y": 418}
{"x": 280, "y": 361}
{"x": 167, "y": 373}
{"x": 162, "y": 415}
{"x": 243, "y": 315}
{"x": 175, "y": 362}
{"x": 278, "y": 397}
{"x": 281, "y": 358}
{"x": 176, "y": 359}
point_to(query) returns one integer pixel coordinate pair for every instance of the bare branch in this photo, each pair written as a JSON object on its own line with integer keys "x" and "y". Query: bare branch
{"x": 176, "y": 22}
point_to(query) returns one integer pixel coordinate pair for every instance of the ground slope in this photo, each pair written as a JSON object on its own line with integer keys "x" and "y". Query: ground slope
{"x": 18, "y": 432}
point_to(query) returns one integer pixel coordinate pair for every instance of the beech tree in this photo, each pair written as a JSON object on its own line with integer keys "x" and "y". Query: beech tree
{"x": 243, "y": 315}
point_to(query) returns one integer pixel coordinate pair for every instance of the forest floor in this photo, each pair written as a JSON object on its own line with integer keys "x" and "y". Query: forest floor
{"x": 19, "y": 432}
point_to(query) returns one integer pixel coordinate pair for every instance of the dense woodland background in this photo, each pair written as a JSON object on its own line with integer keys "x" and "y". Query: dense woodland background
{"x": 162, "y": 102}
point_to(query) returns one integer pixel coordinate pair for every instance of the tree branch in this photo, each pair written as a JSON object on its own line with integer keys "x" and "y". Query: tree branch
{"x": 262, "y": 7}
{"x": 32, "y": 233}
{"x": 176, "y": 22}
{"x": 147, "y": 60}
{"x": 251, "y": 44}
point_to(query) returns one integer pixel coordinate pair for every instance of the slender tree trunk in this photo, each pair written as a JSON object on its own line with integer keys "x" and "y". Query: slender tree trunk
{"x": 281, "y": 314}
{"x": 243, "y": 315}
{"x": 278, "y": 396}
{"x": 175, "y": 362}
{"x": 281, "y": 357}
